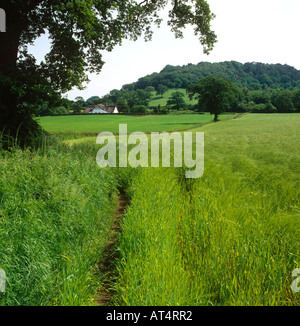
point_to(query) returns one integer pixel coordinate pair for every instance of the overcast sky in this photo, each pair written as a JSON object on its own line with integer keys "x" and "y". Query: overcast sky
{"x": 248, "y": 30}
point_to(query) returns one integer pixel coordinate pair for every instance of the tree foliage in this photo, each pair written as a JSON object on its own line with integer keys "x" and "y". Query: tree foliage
{"x": 161, "y": 89}
{"x": 176, "y": 101}
{"x": 78, "y": 31}
{"x": 252, "y": 75}
{"x": 215, "y": 93}
{"x": 284, "y": 101}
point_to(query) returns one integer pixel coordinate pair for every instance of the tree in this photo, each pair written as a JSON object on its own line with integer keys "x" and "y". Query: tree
{"x": 215, "y": 93}
{"x": 78, "y": 105}
{"x": 78, "y": 31}
{"x": 44, "y": 110}
{"x": 150, "y": 89}
{"x": 93, "y": 100}
{"x": 115, "y": 95}
{"x": 283, "y": 101}
{"x": 296, "y": 100}
{"x": 161, "y": 89}
{"x": 138, "y": 97}
{"x": 176, "y": 101}
{"x": 253, "y": 76}
{"x": 139, "y": 109}
{"x": 123, "y": 106}
{"x": 260, "y": 96}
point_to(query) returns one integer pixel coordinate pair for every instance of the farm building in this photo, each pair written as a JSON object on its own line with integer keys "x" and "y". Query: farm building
{"x": 100, "y": 108}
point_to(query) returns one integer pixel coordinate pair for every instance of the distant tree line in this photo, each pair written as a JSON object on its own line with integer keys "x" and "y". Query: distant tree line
{"x": 270, "y": 101}
{"x": 135, "y": 101}
{"x": 261, "y": 88}
{"x": 217, "y": 95}
{"x": 132, "y": 102}
{"x": 252, "y": 75}
{"x": 261, "y": 101}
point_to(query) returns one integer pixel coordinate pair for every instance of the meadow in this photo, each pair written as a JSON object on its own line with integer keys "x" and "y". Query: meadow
{"x": 162, "y": 100}
{"x": 228, "y": 238}
{"x": 93, "y": 124}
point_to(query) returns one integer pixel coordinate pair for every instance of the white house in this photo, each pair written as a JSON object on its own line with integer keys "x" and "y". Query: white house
{"x": 100, "y": 108}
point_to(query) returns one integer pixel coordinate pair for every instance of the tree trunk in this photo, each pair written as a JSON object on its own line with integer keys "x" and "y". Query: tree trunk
{"x": 17, "y": 125}
{"x": 9, "y": 42}
{"x": 216, "y": 117}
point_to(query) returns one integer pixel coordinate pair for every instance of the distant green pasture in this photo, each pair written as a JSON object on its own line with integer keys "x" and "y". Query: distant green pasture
{"x": 98, "y": 123}
{"x": 162, "y": 100}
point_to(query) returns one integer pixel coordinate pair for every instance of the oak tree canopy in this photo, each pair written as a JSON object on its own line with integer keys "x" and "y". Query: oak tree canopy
{"x": 78, "y": 31}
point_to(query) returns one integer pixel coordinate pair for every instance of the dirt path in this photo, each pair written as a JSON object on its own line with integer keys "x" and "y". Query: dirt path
{"x": 240, "y": 114}
{"x": 107, "y": 265}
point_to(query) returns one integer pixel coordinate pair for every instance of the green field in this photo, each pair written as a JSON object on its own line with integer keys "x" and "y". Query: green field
{"x": 55, "y": 220}
{"x": 162, "y": 100}
{"x": 228, "y": 238}
{"x": 98, "y": 123}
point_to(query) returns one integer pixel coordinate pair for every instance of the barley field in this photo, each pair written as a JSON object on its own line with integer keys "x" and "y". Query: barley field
{"x": 230, "y": 237}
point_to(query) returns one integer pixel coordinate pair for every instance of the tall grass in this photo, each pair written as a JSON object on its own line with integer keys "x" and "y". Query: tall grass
{"x": 151, "y": 263}
{"x": 55, "y": 217}
{"x": 229, "y": 238}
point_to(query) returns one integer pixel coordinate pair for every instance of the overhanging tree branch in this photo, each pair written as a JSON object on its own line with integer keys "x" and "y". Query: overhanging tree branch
{"x": 79, "y": 31}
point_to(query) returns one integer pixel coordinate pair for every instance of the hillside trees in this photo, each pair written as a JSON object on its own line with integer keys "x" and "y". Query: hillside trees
{"x": 176, "y": 101}
{"x": 138, "y": 97}
{"x": 296, "y": 100}
{"x": 161, "y": 89}
{"x": 93, "y": 100}
{"x": 78, "y": 31}
{"x": 78, "y": 104}
{"x": 265, "y": 100}
{"x": 284, "y": 101}
{"x": 252, "y": 75}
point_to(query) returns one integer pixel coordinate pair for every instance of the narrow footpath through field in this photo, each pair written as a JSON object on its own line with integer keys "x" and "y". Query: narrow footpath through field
{"x": 107, "y": 265}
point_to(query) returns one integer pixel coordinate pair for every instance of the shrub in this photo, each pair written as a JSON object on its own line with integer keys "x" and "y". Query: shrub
{"x": 139, "y": 109}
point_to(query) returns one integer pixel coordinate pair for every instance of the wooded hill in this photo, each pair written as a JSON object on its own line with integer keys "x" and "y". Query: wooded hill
{"x": 263, "y": 88}
{"x": 251, "y": 75}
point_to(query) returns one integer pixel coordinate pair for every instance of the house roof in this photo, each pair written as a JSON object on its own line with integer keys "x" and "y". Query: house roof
{"x": 91, "y": 107}
{"x": 110, "y": 108}
{"x": 107, "y": 109}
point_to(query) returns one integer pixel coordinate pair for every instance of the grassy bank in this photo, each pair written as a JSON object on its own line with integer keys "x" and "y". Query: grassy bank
{"x": 55, "y": 218}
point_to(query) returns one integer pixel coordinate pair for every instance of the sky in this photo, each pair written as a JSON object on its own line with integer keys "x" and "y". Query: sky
{"x": 264, "y": 31}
